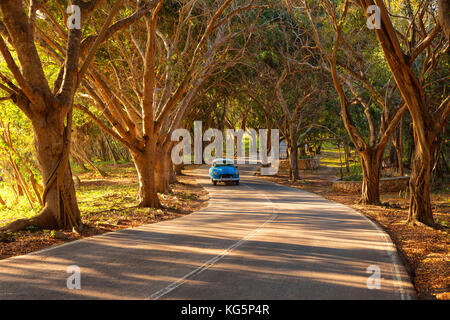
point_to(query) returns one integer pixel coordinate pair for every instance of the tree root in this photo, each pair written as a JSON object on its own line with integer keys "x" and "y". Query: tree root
{"x": 153, "y": 203}
{"x": 294, "y": 180}
{"x": 367, "y": 203}
{"x": 43, "y": 220}
{"x": 416, "y": 223}
{"x": 152, "y": 206}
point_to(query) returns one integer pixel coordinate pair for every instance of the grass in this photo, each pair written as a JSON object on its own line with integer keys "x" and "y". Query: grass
{"x": 94, "y": 197}
{"x": 332, "y": 157}
{"x": 93, "y": 200}
{"x": 97, "y": 196}
{"x": 106, "y": 204}
{"x": 15, "y": 208}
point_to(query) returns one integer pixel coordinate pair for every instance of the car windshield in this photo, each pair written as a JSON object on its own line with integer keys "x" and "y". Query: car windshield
{"x": 223, "y": 163}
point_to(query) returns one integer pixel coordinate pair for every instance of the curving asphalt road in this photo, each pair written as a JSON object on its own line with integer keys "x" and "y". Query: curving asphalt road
{"x": 258, "y": 240}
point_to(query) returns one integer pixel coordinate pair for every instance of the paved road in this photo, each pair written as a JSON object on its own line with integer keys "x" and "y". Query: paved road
{"x": 254, "y": 241}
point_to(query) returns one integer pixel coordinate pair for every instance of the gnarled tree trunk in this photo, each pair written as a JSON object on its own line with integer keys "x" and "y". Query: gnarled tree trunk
{"x": 420, "y": 187}
{"x": 53, "y": 148}
{"x": 444, "y": 16}
{"x": 52, "y": 142}
{"x": 427, "y": 125}
{"x": 162, "y": 173}
{"x": 293, "y": 162}
{"x": 172, "y": 174}
{"x": 178, "y": 169}
{"x": 371, "y": 167}
{"x": 50, "y": 109}
{"x": 145, "y": 167}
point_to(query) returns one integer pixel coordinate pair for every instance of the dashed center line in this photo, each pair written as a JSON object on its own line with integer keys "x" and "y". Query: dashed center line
{"x": 208, "y": 264}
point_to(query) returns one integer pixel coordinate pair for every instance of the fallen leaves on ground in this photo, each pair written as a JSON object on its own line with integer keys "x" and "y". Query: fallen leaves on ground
{"x": 425, "y": 251}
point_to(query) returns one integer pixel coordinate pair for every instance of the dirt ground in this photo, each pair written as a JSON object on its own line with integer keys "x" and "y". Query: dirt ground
{"x": 425, "y": 251}
{"x": 119, "y": 212}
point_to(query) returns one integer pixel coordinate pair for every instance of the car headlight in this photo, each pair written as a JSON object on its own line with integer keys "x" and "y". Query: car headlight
{"x": 236, "y": 173}
{"x": 215, "y": 173}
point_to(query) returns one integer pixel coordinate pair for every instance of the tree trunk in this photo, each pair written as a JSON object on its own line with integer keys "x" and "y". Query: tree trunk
{"x": 419, "y": 186}
{"x": 302, "y": 150}
{"x": 319, "y": 149}
{"x": 425, "y": 123}
{"x": 52, "y": 142}
{"x": 145, "y": 167}
{"x": 269, "y": 133}
{"x": 398, "y": 145}
{"x": 170, "y": 166}
{"x": 114, "y": 156}
{"x": 79, "y": 163}
{"x": 84, "y": 158}
{"x": 410, "y": 147}
{"x": 162, "y": 174}
{"x": 444, "y": 16}
{"x": 393, "y": 162}
{"x": 371, "y": 165}
{"x": 173, "y": 177}
{"x": 347, "y": 156}
{"x": 293, "y": 162}
{"x": 53, "y": 148}
{"x": 179, "y": 169}
{"x": 401, "y": 169}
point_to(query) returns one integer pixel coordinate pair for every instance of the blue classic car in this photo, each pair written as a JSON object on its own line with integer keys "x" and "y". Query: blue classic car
{"x": 224, "y": 170}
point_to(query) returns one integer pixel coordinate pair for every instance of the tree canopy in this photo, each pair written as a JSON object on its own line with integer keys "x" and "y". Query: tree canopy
{"x": 117, "y": 87}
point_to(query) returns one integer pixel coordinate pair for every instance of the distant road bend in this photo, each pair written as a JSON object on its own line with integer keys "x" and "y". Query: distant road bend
{"x": 258, "y": 240}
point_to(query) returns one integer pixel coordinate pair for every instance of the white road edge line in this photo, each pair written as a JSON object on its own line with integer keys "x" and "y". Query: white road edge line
{"x": 390, "y": 248}
{"x": 391, "y": 251}
{"x": 208, "y": 264}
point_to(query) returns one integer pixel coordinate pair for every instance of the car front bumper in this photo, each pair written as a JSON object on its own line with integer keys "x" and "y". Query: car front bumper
{"x": 225, "y": 179}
